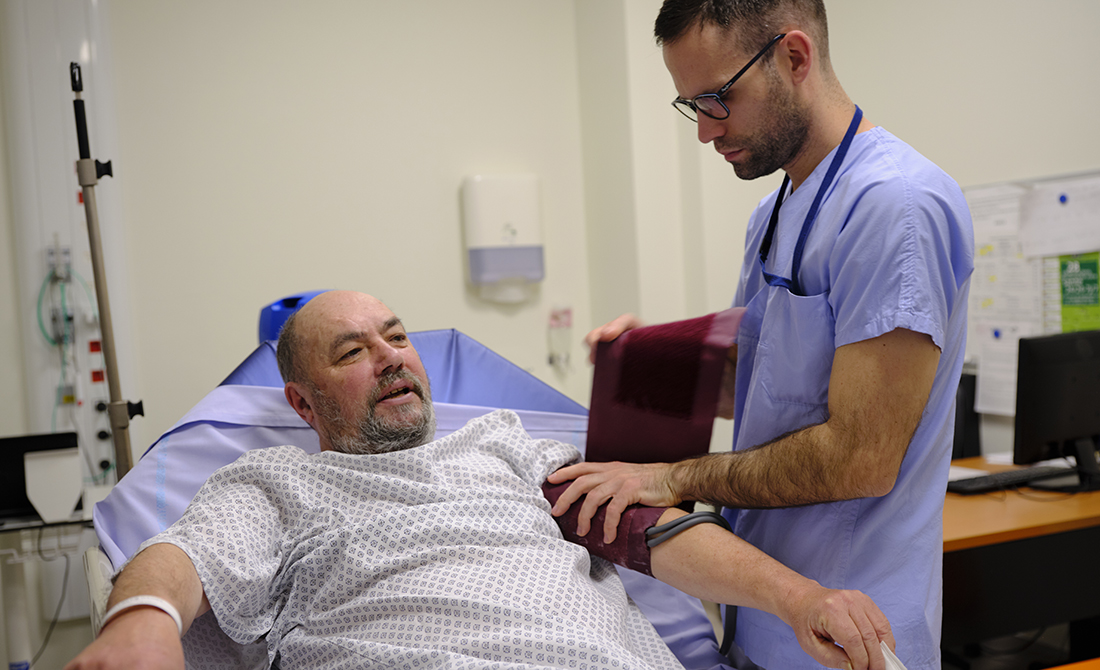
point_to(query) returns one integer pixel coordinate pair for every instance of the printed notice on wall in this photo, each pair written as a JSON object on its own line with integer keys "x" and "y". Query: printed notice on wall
{"x": 1080, "y": 292}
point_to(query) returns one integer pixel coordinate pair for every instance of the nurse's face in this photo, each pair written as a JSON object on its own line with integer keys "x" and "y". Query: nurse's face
{"x": 367, "y": 386}
{"x": 766, "y": 128}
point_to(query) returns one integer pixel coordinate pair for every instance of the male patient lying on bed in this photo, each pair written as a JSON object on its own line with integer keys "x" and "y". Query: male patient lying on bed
{"x": 389, "y": 549}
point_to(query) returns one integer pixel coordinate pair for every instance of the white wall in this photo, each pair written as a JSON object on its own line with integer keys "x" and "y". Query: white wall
{"x": 13, "y": 420}
{"x": 992, "y": 91}
{"x": 273, "y": 148}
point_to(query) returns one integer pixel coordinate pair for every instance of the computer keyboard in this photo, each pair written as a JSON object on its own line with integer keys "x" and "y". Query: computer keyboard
{"x": 1007, "y": 479}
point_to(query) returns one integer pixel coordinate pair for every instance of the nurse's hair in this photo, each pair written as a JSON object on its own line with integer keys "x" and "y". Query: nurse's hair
{"x": 753, "y": 21}
{"x": 288, "y": 352}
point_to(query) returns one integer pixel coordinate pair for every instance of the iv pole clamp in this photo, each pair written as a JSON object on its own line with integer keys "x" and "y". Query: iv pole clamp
{"x": 88, "y": 172}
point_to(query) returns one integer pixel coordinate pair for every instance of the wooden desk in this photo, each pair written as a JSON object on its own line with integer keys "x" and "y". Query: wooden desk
{"x": 1094, "y": 664}
{"x": 992, "y": 518}
{"x": 1016, "y": 561}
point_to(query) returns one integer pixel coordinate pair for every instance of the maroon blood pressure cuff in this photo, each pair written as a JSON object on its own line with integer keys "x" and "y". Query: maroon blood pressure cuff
{"x": 655, "y": 390}
{"x": 629, "y": 548}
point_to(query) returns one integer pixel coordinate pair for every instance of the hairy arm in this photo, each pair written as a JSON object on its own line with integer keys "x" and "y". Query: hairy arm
{"x": 146, "y": 637}
{"x": 877, "y": 393}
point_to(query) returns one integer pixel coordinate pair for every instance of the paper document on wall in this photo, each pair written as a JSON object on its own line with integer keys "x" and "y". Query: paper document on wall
{"x": 1006, "y": 286}
{"x": 1061, "y": 217}
{"x": 997, "y": 348}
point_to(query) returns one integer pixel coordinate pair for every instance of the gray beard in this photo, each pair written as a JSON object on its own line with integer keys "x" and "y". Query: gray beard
{"x": 407, "y": 428}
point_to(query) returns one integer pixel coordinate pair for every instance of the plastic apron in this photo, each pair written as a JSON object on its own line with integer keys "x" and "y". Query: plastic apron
{"x": 805, "y": 321}
{"x": 792, "y": 335}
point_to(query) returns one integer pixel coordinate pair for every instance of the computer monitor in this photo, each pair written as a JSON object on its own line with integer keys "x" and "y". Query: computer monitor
{"x": 14, "y": 503}
{"x": 1058, "y": 405}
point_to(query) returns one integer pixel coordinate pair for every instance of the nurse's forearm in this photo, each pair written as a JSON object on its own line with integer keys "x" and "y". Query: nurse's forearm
{"x": 877, "y": 392}
{"x": 806, "y": 467}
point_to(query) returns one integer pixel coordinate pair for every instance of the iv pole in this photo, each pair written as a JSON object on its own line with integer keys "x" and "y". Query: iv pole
{"x": 88, "y": 172}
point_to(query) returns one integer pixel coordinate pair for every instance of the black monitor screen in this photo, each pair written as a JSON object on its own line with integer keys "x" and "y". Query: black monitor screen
{"x": 13, "y": 481}
{"x": 1057, "y": 396}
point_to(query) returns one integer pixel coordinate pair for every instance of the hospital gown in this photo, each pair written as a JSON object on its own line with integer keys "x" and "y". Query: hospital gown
{"x": 442, "y": 556}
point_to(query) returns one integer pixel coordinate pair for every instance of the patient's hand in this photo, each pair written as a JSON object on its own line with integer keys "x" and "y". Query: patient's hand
{"x": 143, "y": 638}
{"x": 824, "y": 618}
{"x": 610, "y": 331}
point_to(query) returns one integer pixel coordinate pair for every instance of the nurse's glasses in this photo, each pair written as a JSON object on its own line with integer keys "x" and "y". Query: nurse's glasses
{"x": 711, "y": 103}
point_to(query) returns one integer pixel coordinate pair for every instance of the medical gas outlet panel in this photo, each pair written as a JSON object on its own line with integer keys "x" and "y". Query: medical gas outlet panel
{"x": 67, "y": 321}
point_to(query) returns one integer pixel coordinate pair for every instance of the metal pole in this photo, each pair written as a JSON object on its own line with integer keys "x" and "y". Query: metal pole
{"x": 88, "y": 172}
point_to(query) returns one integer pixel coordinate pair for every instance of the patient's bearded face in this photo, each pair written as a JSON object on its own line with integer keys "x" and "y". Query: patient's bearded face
{"x": 372, "y": 432}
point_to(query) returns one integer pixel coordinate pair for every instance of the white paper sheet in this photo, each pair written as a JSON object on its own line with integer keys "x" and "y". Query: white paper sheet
{"x": 997, "y": 348}
{"x": 957, "y": 472}
{"x": 892, "y": 661}
{"x": 1006, "y": 288}
{"x": 1061, "y": 217}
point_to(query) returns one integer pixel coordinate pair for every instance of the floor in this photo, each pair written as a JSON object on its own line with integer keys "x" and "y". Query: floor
{"x": 1034, "y": 650}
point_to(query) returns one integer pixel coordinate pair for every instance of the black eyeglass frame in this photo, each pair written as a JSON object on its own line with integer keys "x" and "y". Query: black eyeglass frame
{"x": 681, "y": 103}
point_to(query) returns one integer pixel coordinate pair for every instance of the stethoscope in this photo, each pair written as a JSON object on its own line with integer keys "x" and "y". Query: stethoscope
{"x": 791, "y": 284}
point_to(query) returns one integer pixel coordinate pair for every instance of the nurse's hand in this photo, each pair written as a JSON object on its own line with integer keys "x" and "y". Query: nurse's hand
{"x": 610, "y": 331}
{"x": 624, "y": 484}
{"x": 840, "y": 629}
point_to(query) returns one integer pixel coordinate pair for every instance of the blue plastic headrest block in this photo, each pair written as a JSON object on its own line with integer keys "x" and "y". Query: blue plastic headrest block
{"x": 275, "y": 315}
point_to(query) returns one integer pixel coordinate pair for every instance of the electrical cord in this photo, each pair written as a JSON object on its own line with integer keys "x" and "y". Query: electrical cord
{"x": 41, "y": 294}
{"x": 64, "y": 590}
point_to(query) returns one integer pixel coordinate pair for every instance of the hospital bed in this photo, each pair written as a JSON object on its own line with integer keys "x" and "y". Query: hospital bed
{"x": 248, "y": 410}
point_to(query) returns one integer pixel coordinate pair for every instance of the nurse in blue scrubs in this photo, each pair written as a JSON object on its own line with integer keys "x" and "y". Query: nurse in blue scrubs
{"x": 855, "y": 282}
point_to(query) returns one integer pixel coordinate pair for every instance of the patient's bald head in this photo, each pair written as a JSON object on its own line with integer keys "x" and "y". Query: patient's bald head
{"x": 353, "y": 375}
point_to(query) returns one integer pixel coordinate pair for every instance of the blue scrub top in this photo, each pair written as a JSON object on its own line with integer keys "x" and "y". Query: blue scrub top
{"x": 892, "y": 247}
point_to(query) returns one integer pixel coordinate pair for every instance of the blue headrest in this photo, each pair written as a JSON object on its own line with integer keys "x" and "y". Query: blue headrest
{"x": 460, "y": 369}
{"x": 275, "y": 315}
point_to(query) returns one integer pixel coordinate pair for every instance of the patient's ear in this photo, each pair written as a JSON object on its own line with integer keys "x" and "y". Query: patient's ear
{"x": 296, "y": 395}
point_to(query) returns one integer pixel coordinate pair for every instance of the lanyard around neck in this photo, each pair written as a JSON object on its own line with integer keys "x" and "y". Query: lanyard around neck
{"x": 792, "y": 284}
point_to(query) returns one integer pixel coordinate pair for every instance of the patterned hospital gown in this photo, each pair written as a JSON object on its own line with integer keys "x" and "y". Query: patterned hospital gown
{"x": 442, "y": 556}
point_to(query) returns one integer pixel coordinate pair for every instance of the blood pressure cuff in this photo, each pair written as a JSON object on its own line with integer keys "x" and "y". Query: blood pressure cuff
{"x": 629, "y": 548}
{"x": 655, "y": 389}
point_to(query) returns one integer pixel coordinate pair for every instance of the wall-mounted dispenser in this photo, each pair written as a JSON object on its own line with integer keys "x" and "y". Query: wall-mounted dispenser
{"x": 503, "y": 235}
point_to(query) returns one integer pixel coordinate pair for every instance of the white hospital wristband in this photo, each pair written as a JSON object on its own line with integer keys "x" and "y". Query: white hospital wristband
{"x": 150, "y": 601}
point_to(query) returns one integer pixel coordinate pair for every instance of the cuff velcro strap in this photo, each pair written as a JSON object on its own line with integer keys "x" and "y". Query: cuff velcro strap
{"x": 146, "y": 601}
{"x": 658, "y": 534}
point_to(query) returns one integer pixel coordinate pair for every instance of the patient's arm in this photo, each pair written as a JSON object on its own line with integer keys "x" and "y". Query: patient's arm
{"x": 711, "y": 563}
{"x": 628, "y": 549}
{"x": 146, "y": 637}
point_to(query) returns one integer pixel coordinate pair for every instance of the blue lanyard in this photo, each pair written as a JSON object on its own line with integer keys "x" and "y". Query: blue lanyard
{"x": 792, "y": 284}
